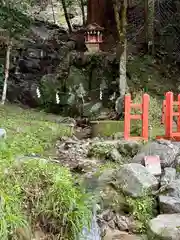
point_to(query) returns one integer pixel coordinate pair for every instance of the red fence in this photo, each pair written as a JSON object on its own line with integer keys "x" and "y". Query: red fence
{"x": 144, "y": 107}
{"x": 167, "y": 117}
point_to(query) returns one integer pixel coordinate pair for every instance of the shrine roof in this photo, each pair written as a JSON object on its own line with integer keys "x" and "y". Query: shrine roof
{"x": 94, "y": 26}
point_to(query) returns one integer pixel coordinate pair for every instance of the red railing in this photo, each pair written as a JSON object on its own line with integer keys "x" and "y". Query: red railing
{"x": 144, "y": 107}
{"x": 167, "y": 117}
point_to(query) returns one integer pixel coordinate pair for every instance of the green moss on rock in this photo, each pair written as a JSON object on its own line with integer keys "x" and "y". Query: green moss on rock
{"x": 106, "y": 128}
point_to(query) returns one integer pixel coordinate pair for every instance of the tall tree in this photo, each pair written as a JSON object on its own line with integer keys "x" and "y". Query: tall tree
{"x": 54, "y": 18}
{"x": 96, "y": 12}
{"x": 6, "y": 72}
{"x": 120, "y": 11}
{"x": 146, "y": 24}
{"x": 66, "y": 15}
{"x": 14, "y": 23}
{"x": 149, "y": 25}
{"x": 81, "y": 2}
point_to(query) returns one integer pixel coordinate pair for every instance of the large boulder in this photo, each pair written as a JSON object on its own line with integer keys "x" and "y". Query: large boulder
{"x": 169, "y": 204}
{"x": 129, "y": 148}
{"x": 165, "y": 227}
{"x": 115, "y": 156}
{"x": 110, "y": 198}
{"x": 124, "y": 149}
{"x": 135, "y": 180}
{"x": 173, "y": 189}
{"x": 169, "y": 201}
{"x": 77, "y": 76}
{"x": 164, "y": 149}
{"x": 43, "y": 12}
{"x": 112, "y": 234}
{"x": 38, "y": 57}
{"x": 168, "y": 176}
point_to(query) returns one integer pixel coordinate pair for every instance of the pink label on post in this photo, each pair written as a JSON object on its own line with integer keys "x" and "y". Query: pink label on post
{"x": 153, "y": 164}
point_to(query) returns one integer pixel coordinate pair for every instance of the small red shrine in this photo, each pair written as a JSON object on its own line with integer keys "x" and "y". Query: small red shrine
{"x": 93, "y": 37}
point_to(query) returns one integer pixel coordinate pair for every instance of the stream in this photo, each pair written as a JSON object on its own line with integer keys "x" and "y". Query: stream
{"x": 94, "y": 232}
{"x": 91, "y": 186}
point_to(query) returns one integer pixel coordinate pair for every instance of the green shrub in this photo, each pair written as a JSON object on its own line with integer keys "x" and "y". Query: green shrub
{"x": 36, "y": 192}
{"x": 46, "y": 194}
{"x": 100, "y": 150}
{"x": 142, "y": 210}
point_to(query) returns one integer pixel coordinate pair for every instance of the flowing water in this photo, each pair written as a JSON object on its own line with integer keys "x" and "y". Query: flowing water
{"x": 94, "y": 232}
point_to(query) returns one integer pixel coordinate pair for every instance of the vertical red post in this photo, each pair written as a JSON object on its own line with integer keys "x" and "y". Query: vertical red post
{"x": 169, "y": 115}
{"x": 127, "y": 118}
{"x": 178, "y": 118}
{"x": 145, "y": 110}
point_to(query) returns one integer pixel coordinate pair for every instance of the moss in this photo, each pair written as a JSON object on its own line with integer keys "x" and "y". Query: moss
{"x": 109, "y": 165}
{"x": 100, "y": 150}
{"x": 106, "y": 128}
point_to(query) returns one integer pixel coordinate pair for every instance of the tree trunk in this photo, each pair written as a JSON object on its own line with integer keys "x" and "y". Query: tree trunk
{"x": 7, "y": 64}
{"x": 82, "y": 10}
{"x": 66, "y": 15}
{"x": 121, "y": 29}
{"x": 151, "y": 27}
{"x": 54, "y": 19}
{"x": 96, "y": 12}
{"x": 146, "y": 24}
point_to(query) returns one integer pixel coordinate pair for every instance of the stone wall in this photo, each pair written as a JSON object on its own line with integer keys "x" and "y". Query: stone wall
{"x": 55, "y": 62}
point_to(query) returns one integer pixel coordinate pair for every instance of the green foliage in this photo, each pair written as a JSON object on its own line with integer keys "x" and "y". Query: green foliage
{"x": 106, "y": 128}
{"x": 71, "y": 97}
{"x": 13, "y": 18}
{"x": 142, "y": 210}
{"x": 100, "y": 150}
{"x": 46, "y": 193}
{"x": 32, "y": 190}
{"x": 70, "y": 3}
{"x": 26, "y": 134}
{"x": 140, "y": 69}
{"x": 147, "y": 74}
{"x": 109, "y": 165}
{"x": 11, "y": 213}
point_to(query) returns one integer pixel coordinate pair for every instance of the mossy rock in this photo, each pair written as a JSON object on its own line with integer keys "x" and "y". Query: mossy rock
{"x": 106, "y": 128}
{"x": 101, "y": 150}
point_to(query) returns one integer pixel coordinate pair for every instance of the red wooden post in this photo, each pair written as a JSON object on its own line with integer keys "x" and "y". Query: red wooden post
{"x": 145, "y": 110}
{"x": 178, "y": 118}
{"x": 169, "y": 115}
{"x": 127, "y": 118}
{"x": 144, "y": 107}
{"x": 168, "y": 118}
